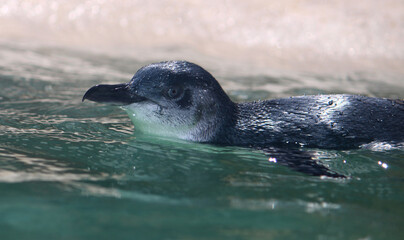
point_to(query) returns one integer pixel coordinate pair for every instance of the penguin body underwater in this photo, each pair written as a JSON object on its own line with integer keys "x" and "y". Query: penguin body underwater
{"x": 182, "y": 100}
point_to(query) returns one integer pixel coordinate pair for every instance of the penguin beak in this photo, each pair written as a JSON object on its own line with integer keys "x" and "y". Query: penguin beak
{"x": 119, "y": 94}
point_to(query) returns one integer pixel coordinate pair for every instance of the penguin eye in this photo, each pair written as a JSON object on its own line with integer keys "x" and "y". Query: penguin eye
{"x": 173, "y": 92}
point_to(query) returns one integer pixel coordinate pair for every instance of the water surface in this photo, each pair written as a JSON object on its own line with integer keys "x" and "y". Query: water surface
{"x": 73, "y": 170}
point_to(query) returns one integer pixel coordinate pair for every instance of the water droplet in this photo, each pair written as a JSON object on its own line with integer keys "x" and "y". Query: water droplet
{"x": 272, "y": 159}
{"x": 384, "y": 165}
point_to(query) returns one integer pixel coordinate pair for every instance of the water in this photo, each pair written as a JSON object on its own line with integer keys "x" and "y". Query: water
{"x": 73, "y": 170}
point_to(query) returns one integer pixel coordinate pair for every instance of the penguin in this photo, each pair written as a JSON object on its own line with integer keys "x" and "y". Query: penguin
{"x": 182, "y": 100}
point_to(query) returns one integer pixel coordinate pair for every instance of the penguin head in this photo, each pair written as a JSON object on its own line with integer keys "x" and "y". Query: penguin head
{"x": 175, "y": 99}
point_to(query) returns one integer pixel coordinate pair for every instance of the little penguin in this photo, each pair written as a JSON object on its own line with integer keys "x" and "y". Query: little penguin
{"x": 182, "y": 100}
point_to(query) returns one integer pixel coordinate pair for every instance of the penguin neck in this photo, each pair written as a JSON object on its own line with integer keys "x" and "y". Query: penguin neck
{"x": 216, "y": 120}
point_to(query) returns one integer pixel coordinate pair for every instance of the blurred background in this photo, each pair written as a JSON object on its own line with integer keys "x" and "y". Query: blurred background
{"x": 335, "y": 46}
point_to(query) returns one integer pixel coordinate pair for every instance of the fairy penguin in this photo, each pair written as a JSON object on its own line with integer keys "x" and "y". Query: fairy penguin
{"x": 182, "y": 100}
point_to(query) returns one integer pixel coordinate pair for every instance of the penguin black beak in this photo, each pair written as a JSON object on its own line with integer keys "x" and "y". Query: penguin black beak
{"x": 119, "y": 94}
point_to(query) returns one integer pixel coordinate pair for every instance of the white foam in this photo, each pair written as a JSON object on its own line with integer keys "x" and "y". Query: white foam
{"x": 383, "y": 146}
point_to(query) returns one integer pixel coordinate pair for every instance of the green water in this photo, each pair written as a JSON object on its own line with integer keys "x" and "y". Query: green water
{"x": 73, "y": 170}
